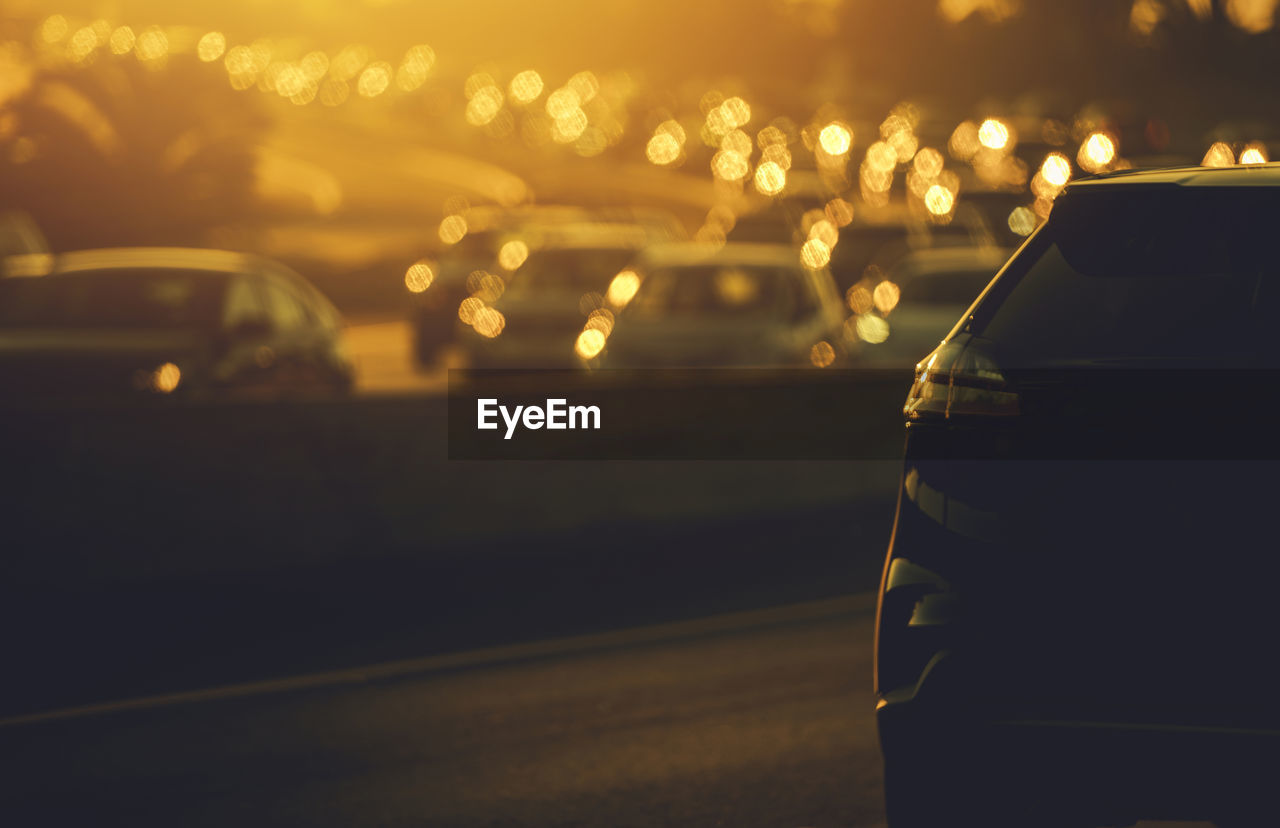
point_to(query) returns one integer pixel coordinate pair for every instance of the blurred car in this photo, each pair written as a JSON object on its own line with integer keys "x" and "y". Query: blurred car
{"x": 485, "y": 231}
{"x": 531, "y": 316}
{"x": 140, "y": 322}
{"x": 689, "y": 305}
{"x": 908, "y": 313}
{"x": 1075, "y": 625}
{"x": 866, "y": 236}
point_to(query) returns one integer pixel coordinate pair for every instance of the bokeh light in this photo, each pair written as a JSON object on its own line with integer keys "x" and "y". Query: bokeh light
{"x": 419, "y": 276}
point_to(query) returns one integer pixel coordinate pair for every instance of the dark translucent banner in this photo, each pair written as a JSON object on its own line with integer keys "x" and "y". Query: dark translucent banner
{"x": 857, "y": 415}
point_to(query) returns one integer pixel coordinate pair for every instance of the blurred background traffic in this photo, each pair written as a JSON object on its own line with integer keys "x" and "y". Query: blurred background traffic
{"x": 245, "y": 242}
{"x": 488, "y": 184}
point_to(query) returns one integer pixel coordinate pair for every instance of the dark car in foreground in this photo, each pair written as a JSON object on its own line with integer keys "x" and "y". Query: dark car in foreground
{"x": 1077, "y": 623}
{"x": 139, "y": 323}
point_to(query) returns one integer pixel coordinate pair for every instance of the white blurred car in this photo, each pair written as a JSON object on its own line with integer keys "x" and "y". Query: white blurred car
{"x": 691, "y": 305}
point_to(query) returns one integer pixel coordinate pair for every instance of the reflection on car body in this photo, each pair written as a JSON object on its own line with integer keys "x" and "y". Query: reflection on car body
{"x": 135, "y": 322}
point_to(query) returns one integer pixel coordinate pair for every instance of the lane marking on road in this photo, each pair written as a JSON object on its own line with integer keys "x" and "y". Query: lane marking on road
{"x": 810, "y": 611}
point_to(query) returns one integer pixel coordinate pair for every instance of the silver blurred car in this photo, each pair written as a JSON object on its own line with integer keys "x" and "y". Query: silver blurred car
{"x": 693, "y": 305}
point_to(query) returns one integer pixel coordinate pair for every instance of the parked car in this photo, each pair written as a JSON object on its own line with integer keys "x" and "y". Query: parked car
{"x": 692, "y": 305}
{"x": 144, "y": 322}
{"x": 1075, "y": 624}
{"x": 909, "y": 312}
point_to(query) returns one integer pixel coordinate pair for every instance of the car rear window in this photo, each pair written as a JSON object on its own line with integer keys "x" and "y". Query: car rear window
{"x": 1140, "y": 273}
{"x": 717, "y": 290}
{"x": 123, "y": 298}
{"x": 951, "y": 287}
{"x": 569, "y": 269}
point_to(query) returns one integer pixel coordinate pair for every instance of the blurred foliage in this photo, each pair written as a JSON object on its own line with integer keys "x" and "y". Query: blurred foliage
{"x": 126, "y": 154}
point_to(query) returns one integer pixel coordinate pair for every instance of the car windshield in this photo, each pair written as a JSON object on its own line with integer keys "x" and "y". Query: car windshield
{"x": 715, "y": 290}
{"x": 125, "y": 298}
{"x": 1140, "y": 274}
{"x": 946, "y": 287}
{"x": 569, "y": 269}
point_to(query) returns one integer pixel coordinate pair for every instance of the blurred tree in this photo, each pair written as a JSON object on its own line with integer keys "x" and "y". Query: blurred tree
{"x": 116, "y": 153}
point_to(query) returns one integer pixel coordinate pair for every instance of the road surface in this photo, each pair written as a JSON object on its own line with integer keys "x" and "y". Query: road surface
{"x": 756, "y": 718}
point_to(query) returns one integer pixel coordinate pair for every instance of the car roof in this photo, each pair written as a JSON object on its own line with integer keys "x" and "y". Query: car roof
{"x": 167, "y": 258}
{"x": 1241, "y": 175}
{"x": 685, "y": 254}
{"x": 943, "y": 259}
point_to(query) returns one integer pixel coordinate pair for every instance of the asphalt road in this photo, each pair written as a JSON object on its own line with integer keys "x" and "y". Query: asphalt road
{"x": 750, "y": 719}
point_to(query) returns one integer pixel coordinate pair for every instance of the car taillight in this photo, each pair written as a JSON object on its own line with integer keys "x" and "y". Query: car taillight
{"x": 959, "y": 380}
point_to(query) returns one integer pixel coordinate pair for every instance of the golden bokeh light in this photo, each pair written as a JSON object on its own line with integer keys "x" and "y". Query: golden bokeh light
{"x": 730, "y": 166}
{"x": 885, "y": 296}
{"x": 1096, "y": 152}
{"x": 586, "y": 84}
{"x": 562, "y": 102}
{"x": 835, "y": 138}
{"x": 938, "y": 200}
{"x": 348, "y": 62}
{"x": 122, "y": 40}
{"x": 735, "y": 112}
{"x": 526, "y": 86}
{"x": 468, "y": 308}
{"x": 1022, "y": 221}
{"x": 825, "y": 231}
{"x": 777, "y": 154}
{"x": 964, "y": 142}
{"x": 815, "y": 254}
{"x": 662, "y": 149}
{"x": 928, "y": 162}
{"x": 166, "y": 378}
{"x": 488, "y": 322}
{"x": 1254, "y": 154}
{"x": 513, "y": 254}
{"x": 211, "y": 46}
{"x": 419, "y": 276}
{"x": 415, "y": 68}
{"x": 993, "y": 134}
{"x": 1219, "y": 154}
{"x": 822, "y": 354}
{"x": 872, "y": 328}
{"x": 589, "y": 344}
{"x": 839, "y": 212}
{"x": 484, "y": 106}
{"x": 452, "y": 229}
{"x": 881, "y": 157}
{"x": 600, "y": 319}
{"x": 567, "y": 129}
{"x": 374, "y": 80}
{"x": 770, "y": 178}
{"x": 622, "y": 289}
{"x": 152, "y": 45}
{"x": 1056, "y": 169}
{"x": 859, "y": 298}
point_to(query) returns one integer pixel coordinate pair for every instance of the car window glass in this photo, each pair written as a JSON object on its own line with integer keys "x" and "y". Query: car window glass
{"x": 243, "y": 303}
{"x": 286, "y": 313}
{"x": 1137, "y": 275}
